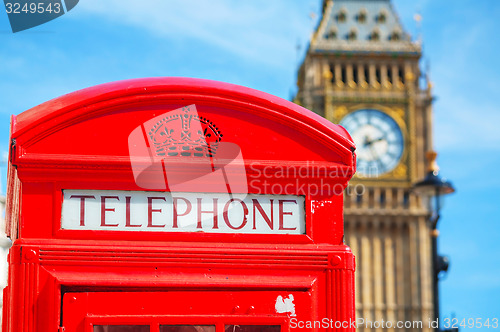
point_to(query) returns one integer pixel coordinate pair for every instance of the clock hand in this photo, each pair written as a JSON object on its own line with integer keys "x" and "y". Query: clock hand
{"x": 375, "y": 155}
{"x": 370, "y": 142}
{"x": 366, "y": 142}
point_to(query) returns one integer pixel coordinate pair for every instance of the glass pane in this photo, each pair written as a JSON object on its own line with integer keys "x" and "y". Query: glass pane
{"x": 253, "y": 328}
{"x": 121, "y": 328}
{"x": 187, "y": 328}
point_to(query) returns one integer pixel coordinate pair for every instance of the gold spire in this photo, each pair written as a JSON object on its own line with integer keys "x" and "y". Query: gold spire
{"x": 431, "y": 159}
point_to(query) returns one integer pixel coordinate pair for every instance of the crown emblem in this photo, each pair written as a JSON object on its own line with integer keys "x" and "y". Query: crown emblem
{"x": 184, "y": 133}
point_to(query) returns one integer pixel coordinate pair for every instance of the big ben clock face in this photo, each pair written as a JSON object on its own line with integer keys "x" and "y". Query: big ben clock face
{"x": 379, "y": 141}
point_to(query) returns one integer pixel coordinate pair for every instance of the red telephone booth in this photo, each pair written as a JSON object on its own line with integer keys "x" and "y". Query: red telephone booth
{"x": 172, "y": 204}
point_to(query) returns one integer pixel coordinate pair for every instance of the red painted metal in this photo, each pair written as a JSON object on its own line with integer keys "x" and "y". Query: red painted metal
{"x": 80, "y": 141}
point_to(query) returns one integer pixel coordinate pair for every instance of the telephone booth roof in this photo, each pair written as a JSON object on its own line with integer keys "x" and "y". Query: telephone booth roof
{"x": 47, "y": 134}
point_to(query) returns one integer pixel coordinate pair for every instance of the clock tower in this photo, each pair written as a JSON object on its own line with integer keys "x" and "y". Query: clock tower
{"x": 362, "y": 70}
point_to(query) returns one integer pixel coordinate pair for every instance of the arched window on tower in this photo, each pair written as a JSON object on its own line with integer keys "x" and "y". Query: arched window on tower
{"x": 389, "y": 75}
{"x": 331, "y": 33}
{"x": 367, "y": 74}
{"x": 378, "y": 75}
{"x": 355, "y": 75}
{"x": 381, "y": 17}
{"x": 406, "y": 199}
{"x": 361, "y": 16}
{"x": 382, "y": 199}
{"x": 401, "y": 75}
{"x": 332, "y": 73}
{"x": 375, "y": 35}
{"x": 343, "y": 74}
{"x": 395, "y": 36}
{"x": 342, "y": 15}
{"x": 352, "y": 35}
{"x": 359, "y": 199}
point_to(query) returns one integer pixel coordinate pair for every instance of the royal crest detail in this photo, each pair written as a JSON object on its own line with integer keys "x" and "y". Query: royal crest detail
{"x": 184, "y": 133}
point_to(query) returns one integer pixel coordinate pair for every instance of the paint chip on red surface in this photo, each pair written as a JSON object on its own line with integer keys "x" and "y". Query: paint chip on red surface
{"x": 285, "y": 305}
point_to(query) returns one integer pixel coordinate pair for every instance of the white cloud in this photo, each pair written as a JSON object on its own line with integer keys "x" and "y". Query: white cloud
{"x": 463, "y": 124}
{"x": 263, "y": 31}
{"x": 467, "y": 111}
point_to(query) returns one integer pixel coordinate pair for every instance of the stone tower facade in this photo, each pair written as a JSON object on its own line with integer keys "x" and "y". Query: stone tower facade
{"x": 362, "y": 70}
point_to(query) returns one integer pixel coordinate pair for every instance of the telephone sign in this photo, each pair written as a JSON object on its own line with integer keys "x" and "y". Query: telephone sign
{"x": 182, "y": 212}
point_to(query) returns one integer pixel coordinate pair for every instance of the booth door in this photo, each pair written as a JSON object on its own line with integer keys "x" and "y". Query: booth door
{"x": 183, "y": 311}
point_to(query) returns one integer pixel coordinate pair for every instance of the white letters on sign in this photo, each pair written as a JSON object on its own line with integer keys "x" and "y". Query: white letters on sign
{"x": 182, "y": 212}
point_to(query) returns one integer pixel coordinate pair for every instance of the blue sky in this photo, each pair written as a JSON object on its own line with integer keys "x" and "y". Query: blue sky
{"x": 254, "y": 43}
